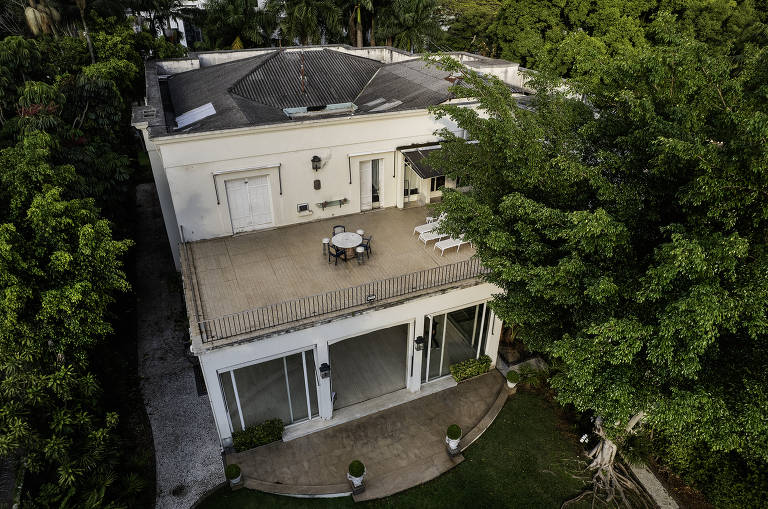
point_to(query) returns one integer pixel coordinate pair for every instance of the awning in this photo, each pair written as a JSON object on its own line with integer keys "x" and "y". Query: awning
{"x": 416, "y": 158}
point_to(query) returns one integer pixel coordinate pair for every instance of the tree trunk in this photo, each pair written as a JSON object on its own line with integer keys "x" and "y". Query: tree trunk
{"x": 87, "y": 37}
{"x": 389, "y": 41}
{"x": 359, "y": 27}
{"x": 373, "y": 32}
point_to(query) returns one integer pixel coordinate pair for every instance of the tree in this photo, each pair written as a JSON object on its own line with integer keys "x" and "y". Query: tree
{"x": 307, "y": 21}
{"x": 228, "y": 19}
{"x": 411, "y": 24}
{"x": 468, "y": 25}
{"x": 59, "y": 267}
{"x": 627, "y": 233}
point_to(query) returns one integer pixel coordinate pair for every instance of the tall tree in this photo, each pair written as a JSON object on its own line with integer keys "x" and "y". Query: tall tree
{"x": 227, "y": 20}
{"x": 412, "y": 24}
{"x": 627, "y": 232}
{"x": 308, "y": 21}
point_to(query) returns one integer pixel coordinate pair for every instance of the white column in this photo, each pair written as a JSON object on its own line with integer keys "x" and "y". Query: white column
{"x": 216, "y": 398}
{"x": 414, "y": 357}
{"x": 494, "y": 335}
{"x": 324, "y": 403}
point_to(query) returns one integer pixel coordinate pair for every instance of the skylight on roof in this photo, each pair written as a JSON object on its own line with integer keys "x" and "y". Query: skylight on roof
{"x": 195, "y": 115}
{"x": 387, "y": 106}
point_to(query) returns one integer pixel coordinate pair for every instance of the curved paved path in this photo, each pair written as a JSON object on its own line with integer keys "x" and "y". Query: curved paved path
{"x": 401, "y": 447}
{"x": 186, "y": 446}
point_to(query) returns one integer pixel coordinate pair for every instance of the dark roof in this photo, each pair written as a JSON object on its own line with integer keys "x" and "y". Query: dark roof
{"x": 330, "y": 77}
{"x": 255, "y": 90}
{"x": 416, "y": 158}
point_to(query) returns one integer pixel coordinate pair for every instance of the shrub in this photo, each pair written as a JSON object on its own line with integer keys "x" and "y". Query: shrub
{"x": 232, "y": 471}
{"x": 532, "y": 376}
{"x": 513, "y": 376}
{"x": 469, "y": 368}
{"x": 356, "y": 468}
{"x": 258, "y": 434}
{"x": 453, "y": 432}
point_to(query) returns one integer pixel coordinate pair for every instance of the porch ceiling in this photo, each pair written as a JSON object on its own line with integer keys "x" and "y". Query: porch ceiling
{"x": 256, "y": 269}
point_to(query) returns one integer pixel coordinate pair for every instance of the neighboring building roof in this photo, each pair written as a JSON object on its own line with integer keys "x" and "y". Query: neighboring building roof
{"x": 268, "y": 88}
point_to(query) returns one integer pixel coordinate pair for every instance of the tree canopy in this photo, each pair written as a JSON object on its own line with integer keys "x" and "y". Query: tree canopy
{"x": 624, "y": 217}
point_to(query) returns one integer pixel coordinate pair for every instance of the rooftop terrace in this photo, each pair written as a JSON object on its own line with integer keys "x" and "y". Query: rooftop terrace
{"x": 259, "y": 283}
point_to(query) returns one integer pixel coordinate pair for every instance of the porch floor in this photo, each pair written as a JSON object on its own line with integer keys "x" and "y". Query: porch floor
{"x": 401, "y": 447}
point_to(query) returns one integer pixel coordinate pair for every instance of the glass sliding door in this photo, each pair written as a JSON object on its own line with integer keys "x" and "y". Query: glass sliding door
{"x": 284, "y": 388}
{"x": 453, "y": 337}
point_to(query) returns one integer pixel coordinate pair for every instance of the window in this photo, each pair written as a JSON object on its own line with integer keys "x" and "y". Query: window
{"x": 436, "y": 183}
{"x": 375, "y": 180}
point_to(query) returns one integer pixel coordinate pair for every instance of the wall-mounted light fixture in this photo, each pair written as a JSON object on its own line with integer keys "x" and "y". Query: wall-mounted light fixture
{"x": 316, "y": 162}
{"x": 325, "y": 370}
{"x": 419, "y": 343}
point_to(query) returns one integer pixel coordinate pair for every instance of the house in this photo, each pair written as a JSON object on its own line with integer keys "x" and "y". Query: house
{"x": 257, "y": 156}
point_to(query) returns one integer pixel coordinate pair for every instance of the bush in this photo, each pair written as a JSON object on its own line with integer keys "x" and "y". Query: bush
{"x": 258, "y": 434}
{"x": 513, "y": 376}
{"x": 453, "y": 432}
{"x": 232, "y": 471}
{"x": 469, "y": 368}
{"x": 356, "y": 468}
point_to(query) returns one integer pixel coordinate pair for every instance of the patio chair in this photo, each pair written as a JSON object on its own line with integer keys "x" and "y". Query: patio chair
{"x": 449, "y": 243}
{"x": 336, "y": 253}
{"x": 339, "y": 228}
{"x": 430, "y": 236}
{"x": 367, "y": 245}
{"x": 430, "y": 225}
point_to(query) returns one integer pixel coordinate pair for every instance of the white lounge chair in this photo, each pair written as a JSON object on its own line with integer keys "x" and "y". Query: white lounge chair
{"x": 430, "y": 225}
{"x": 449, "y": 243}
{"x": 430, "y": 236}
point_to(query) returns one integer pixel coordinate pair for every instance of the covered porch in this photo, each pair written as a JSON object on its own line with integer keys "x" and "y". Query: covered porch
{"x": 401, "y": 447}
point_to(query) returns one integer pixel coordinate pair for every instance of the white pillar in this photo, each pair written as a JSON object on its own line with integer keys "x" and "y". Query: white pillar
{"x": 216, "y": 398}
{"x": 494, "y": 335}
{"x": 324, "y": 403}
{"x": 399, "y": 169}
{"x": 414, "y": 357}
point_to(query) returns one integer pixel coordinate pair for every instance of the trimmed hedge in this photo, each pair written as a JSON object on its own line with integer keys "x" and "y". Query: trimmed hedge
{"x": 513, "y": 376}
{"x": 453, "y": 432}
{"x": 356, "y": 468}
{"x": 258, "y": 434}
{"x": 469, "y": 368}
{"x": 232, "y": 471}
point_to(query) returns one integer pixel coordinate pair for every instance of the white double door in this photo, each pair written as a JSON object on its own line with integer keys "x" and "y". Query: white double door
{"x": 250, "y": 203}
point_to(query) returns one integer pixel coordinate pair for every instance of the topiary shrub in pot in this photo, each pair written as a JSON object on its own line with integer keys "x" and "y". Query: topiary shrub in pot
{"x": 233, "y": 474}
{"x": 513, "y": 378}
{"x": 452, "y": 437}
{"x": 355, "y": 474}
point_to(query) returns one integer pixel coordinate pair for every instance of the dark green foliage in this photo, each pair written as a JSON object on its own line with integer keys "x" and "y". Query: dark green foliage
{"x": 513, "y": 376}
{"x": 453, "y": 432}
{"x": 356, "y": 468}
{"x": 232, "y": 471}
{"x": 258, "y": 434}
{"x": 470, "y": 367}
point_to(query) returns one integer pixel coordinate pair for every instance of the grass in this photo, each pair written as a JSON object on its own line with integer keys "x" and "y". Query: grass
{"x": 521, "y": 461}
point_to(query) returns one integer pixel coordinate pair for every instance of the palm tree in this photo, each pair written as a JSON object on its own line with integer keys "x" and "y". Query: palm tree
{"x": 308, "y": 20}
{"x": 411, "y": 24}
{"x": 354, "y": 10}
{"x": 228, "y": 20}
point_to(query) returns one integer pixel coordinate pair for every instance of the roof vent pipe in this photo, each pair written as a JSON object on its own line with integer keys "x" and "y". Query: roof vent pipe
{"x": 303, "y": 90}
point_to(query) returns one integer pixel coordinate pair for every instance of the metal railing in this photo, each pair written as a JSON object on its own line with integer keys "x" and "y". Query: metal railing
{"x": 313, "y": 306}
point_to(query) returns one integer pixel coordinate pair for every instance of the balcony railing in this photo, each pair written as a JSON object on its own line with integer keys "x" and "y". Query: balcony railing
{"x": 347, "y": 299}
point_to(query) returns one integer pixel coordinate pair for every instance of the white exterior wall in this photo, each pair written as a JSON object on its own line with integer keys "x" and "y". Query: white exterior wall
{"x": 224, "y": 359}
{"x": 284, "y": 152}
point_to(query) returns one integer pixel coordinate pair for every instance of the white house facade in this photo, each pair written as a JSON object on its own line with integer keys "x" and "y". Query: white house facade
{"x": 260, "y": 155}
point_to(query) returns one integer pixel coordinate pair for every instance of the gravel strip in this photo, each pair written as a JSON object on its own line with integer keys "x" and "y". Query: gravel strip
{"x": 187, "y": 452}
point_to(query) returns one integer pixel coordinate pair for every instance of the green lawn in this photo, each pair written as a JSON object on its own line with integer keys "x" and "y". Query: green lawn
{"x": 521, "y": 461}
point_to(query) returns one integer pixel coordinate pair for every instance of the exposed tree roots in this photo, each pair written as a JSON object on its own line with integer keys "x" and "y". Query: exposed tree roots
{"x": 611, "y": 484}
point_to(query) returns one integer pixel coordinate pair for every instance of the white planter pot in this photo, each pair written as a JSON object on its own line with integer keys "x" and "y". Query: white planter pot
{"x": 356, "y": 481}
{"x": 511, "y": 385}
{"x": 236, "y": 480}
{"x": 452, "y": 443}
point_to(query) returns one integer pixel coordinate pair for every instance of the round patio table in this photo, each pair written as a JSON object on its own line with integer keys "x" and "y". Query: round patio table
{"x": 348, "y": 241}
